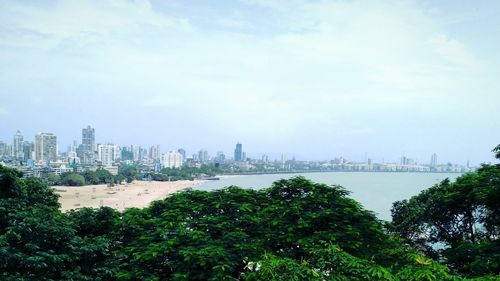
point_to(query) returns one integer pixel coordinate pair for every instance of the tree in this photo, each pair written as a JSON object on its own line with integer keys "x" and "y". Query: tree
{"x": 72, "y": 179}
{"x": 496, "y": 150}
{"x": 38, "y": 242}
{"x": 456, "y": 222}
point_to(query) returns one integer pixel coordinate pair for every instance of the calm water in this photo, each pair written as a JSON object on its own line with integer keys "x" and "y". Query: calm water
{"x": 376, "y": 191}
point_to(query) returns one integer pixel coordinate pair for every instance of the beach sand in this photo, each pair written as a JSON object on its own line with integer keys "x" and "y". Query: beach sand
{"x": 136, "y": 194}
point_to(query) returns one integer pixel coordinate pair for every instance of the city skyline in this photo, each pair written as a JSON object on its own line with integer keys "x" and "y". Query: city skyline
{"x": 88, "y": 140}
{"x": 317, "y": 78}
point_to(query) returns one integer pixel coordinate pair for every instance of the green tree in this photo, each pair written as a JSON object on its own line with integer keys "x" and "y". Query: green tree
{"x": 457, "y": 222}
{"x": 72, "y": 179}
{"x": 38, "y": 242}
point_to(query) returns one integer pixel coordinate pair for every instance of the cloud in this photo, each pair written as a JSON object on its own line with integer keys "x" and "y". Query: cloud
{"x": 280, "y": 69}
{"x": 453, "y": 51}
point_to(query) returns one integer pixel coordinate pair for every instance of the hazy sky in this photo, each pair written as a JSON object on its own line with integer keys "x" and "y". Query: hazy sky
{"x": 315, "y": 78}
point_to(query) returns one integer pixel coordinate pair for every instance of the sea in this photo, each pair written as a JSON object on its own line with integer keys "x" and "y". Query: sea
{"x": 376, "y": 191}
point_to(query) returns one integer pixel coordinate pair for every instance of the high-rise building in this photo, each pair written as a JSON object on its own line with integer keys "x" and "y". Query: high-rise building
{"x": 238, "y": 152}
{"x": 171, "y": 159}
{"x": 203, "y": 156}
{"x": 182, "y": 151}
{"x": 88, "y": 145}
{"x": 154, "y": 152}
{"x": 434, "y": 160}
{"x": 17, "y": 146}
{"x": 404, "y": 161}
{"x": 220, "y": 158}
{"x": 136, "y": 152}
{"x": 108, "y": 153}
{"x": 45, "y": 147}
{"x": 3, "y": 149}
{"x": 28, "y": 150}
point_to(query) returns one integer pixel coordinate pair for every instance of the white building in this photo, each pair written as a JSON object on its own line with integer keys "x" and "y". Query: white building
{"x": 171, "y": 159}
{"x": 45, "y": 147}
{"x": 108, "y": 153}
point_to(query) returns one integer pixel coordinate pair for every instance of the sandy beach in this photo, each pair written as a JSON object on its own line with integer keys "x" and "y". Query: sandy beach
{"x": 136, "y": 194}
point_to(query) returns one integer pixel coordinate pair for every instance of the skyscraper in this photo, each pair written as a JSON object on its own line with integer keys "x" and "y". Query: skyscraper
{"x": 28, "y": 148}
{"x": 154, "y": 152}
{"x": 45, "y": 147}
{"x": 238, "y": 152}
{"x": 434, "y": 160}
{"x": 3, "y": 149}
{"x": 17, "y": 146}
{"x": 182, "y": 151}
{"x": 88, "y": 145}
{"x": 203, "y": 156}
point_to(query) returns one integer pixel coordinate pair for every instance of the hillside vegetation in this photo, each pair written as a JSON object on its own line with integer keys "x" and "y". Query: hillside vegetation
{"x": 294, "y": 230}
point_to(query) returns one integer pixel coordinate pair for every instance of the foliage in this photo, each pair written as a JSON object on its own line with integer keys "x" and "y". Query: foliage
{"x": 294, "y": 230}
{"x": 128, "y": 172}
{"x": 456, "y": 222}
{"x": 72, "y": 179}
{"x": 38, "y": 242}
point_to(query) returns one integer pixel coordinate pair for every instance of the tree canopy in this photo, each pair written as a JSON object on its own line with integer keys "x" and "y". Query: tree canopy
{"x": 294, "y": 230}
{"x": 457, "y": 222}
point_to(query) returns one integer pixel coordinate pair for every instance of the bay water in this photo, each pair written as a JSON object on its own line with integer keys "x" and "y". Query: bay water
{"x": 376, "y": 191}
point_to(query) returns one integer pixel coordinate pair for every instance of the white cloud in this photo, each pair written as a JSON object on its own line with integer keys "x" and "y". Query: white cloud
{"x": 294, "y": 69}
{"x": 453, "y": 51}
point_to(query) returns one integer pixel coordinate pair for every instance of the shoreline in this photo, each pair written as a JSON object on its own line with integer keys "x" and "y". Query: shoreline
{"x": 137, "y": 194}
{"x": 333, "y": 171}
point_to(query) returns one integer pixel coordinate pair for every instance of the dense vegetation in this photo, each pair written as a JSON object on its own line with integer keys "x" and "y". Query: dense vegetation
{"x": 129, "y": 173}
{"x": 458, "y": 223}
{"x": 99, "y": 176}
{"x": 294, "y": 230}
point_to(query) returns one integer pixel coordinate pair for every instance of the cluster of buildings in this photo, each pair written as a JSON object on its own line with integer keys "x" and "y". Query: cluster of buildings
{"x": 42, "y": 156}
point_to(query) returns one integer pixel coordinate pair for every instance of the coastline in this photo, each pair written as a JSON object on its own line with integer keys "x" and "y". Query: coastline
{"x": 137, "y": 194}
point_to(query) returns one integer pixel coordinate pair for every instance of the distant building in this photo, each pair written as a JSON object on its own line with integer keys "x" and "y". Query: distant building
{"x": 108, "y": 153}
{"x": 220, "y": 157}
{"x": 434, "y": 160}
{"x": 28, "y": 150}
{"x": 3, "y": 149}
{"x": 45, "y": 147}
{"x": 136, "y": 152}
{"x": 88, "y": 145}
{"x": 171, "y": 159}
{"x": 238, "y": 152}
{"x": 72, "y": 157}
{"x": 203, "y": 156}
{"x": 154, "y": 152}
{"x": 182, "y": 151}
{"x": 17, "y": 146}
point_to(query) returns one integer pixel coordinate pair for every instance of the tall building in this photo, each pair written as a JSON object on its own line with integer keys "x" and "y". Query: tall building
{"x": 203, "y": 156}
{"x": 17, "y": 146}
{"x": 88, "y": 145}
{"x": 45, "y": 147}
{"x": 136, "y": 152}
{"x": 108, "y": 153}
{"x": 182, "y": 151}
{"x": 3, "y": 149}
{"x": 404, "y": 161}
{"x": 171, "y": 159}
{"x": 28, "y": 150}
{"x": 154, "y": 152}
{"x": 434, "y": 158}
{"x": 238, "y": 152}
{"x": 220, "y": 158}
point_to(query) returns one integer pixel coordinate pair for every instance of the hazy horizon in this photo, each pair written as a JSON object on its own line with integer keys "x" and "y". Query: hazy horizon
{"x": 314, "y": 79}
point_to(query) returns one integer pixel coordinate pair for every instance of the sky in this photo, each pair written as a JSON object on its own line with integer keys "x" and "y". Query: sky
{"x": 313, "y": 79}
